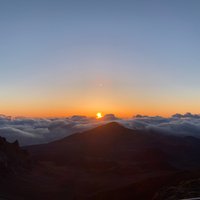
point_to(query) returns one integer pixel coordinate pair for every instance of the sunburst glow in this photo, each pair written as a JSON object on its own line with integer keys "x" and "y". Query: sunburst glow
{"x": 99, "y": 115}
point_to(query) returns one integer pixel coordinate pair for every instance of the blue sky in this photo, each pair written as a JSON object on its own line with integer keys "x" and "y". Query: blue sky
{"x": 126, "y": 57}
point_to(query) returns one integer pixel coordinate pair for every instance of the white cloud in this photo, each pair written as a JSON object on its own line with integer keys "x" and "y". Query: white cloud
{"x": 41, "y": 130}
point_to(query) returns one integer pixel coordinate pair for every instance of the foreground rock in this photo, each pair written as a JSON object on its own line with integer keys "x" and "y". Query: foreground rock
{"x": 13, "y": 159}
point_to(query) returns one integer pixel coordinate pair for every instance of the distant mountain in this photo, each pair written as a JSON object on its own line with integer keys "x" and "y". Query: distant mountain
{"x": 114, "y": 162}
{"x": 105, "y": 163}
{"x": 113, "y": 143}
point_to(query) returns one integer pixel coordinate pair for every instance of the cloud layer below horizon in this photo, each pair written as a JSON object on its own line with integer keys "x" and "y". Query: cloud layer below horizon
{"x": 30, "y": 131}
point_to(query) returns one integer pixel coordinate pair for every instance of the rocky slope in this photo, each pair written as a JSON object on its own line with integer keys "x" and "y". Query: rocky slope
{"x": 13, "y": 159}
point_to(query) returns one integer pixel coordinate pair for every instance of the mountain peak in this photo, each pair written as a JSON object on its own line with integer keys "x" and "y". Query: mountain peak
{"x": 107, "y": 130}
{"x": 111, "y": 126}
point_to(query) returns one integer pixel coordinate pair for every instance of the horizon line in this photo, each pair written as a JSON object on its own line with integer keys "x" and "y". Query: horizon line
{"x": 185, "y": 114}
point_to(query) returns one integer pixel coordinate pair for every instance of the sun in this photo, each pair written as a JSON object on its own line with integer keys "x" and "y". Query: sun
{"x": 99, "y": 115}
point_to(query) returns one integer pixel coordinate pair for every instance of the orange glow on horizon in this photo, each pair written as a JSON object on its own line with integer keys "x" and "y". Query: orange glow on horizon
{"x": 60, "y": 109}
{"x": 67, "y": 113}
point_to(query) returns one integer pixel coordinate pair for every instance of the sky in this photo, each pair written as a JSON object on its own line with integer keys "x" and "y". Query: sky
{"x": 60, "y": 58}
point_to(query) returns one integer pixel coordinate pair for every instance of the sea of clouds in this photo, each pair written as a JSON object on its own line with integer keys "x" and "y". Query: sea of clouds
{"x": 30, "y": 131}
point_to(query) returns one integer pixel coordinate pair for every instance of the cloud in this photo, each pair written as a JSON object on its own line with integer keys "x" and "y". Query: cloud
{"x": 79, "y": 118}
{"x": 11, "y": 134}
{"x": 109, "y": 117}
{"x": 41, "y": 130}
{"x": 186, "y": 115}
{"x": 30, "y": 131}
{"x": 180, "y": 125}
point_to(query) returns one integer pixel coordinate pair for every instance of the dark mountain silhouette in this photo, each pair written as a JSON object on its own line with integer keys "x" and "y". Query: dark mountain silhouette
{"x": 114, "y": 143}
{"x": 107, "y": 162}
{"x": 13, "y": 159}
{"x": 105, "y": 147}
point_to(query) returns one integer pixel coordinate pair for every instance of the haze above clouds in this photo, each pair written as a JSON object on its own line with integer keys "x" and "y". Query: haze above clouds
{"x": 30, "y": 131}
